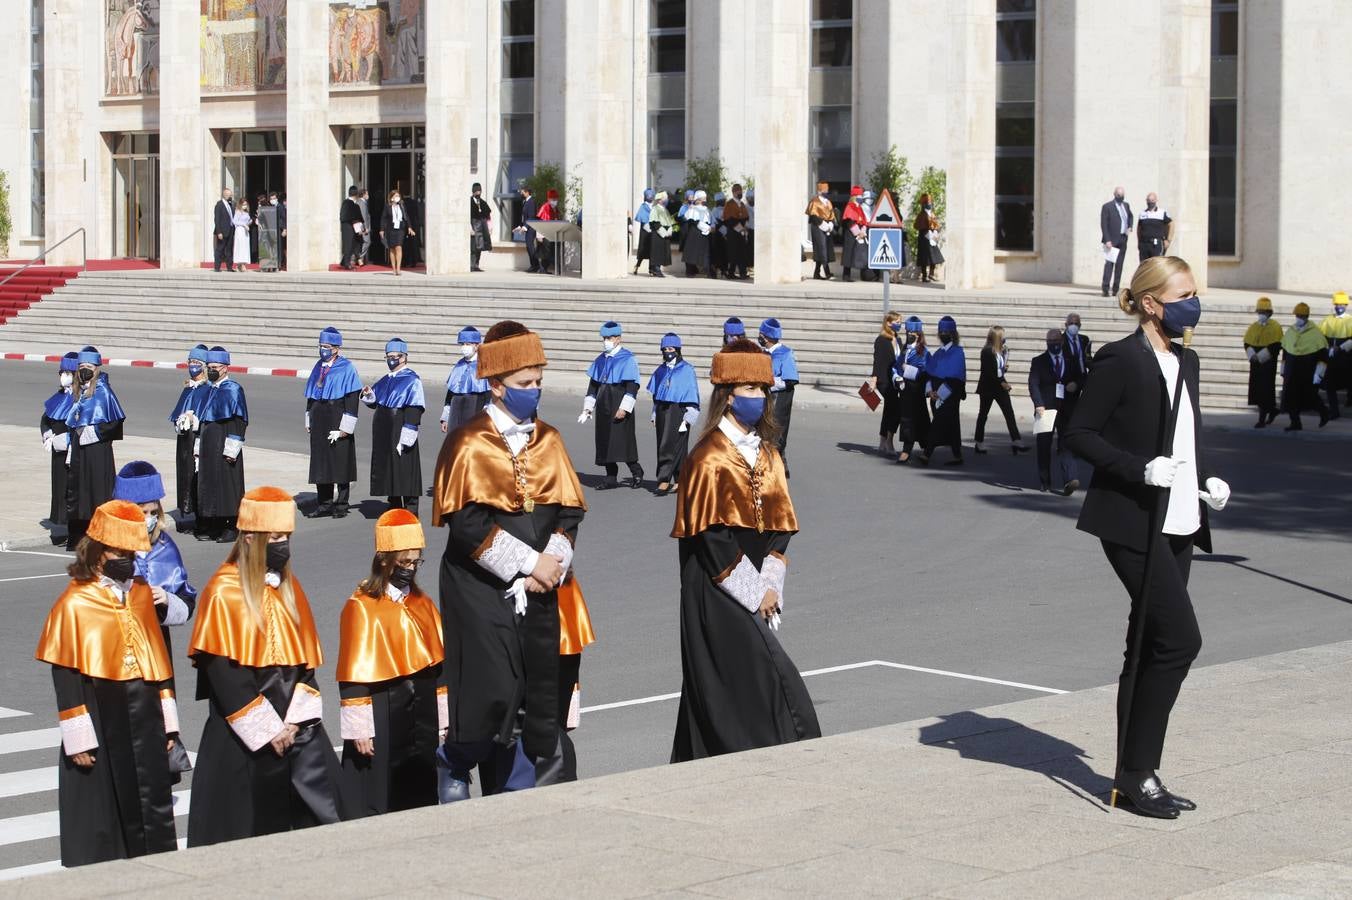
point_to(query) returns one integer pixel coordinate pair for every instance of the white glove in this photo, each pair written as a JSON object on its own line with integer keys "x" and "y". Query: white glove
{"x": 585, "y": 416}
{"x": 518, "y": 594}
{"x": 779, "y": 385}
{"x": 1251, "y": 352}
{"x": 334, "y": 436}
{"x": 1161, "y": 471}
{"x": 648, "y": 227}
{"x": 774, "y": 622}
{"x": 89, "y": 434}
{"x": 1216, "y": 495}
{"x": 689, "y": 417}
{"x": 1319, "y": 371}
{"x": 1264, "y": 355}
{"x": 664, "y": 232}
{"x": 1346, "y": 346}
{"x": 307, "y": 420}
{"x": 653, "y": 417}
{"x": 588, "y": 405}
{"x": 446, "y": 413}
{"x": 47, "y": 441}
{"x": 61, "y": 442}
{"x": 368, "y": 396}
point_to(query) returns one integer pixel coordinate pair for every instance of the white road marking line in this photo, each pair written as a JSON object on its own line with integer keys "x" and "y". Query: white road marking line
{"x": 41, "y": 553}
{"x": 39, "y": 826}
{"x": 658, "y": 698}
{"x": 33, "y": 577}
{"x": 26, "y": 871}
{"x": 28, "y": 781}
{"x": 22, "y": 741}
{"x": 7, "y": 713}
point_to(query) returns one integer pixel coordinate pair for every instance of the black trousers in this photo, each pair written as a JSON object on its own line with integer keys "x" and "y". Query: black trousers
{"x": 408, "y": 503}
{"x": 222, "y": 250}
{"x": 1171, "y": 642}
{"x": 1064, "y": 460}
{"x": 1112, "y": 272}
{"x": 326, "y": 494}
{"x": 891, "y": 410}
{"x": 613, "y": 470}
{"x": 1001, "y": 399}
{"x": 351, "y": 241}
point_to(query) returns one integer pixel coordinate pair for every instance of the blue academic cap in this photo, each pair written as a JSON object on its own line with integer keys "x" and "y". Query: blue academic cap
{"x": 648, "y": 194}
{"x": 199, "y": 353}
{"x": 138, "y": 482}
{"x": 219, "y": 356}
{"x": 611, "y": 329}
{"x": 671, "y": 339}
{"x": 332, "y": 336}
{"x": 734, "y": 328}
{"x": 396, "y": 345}
{"x": 771, "y": 329}
{"x": 70, "y": 362}
{"x": 948, "y": 324}
{"x": 914, "y": 324}
{"x": 89, "y": 355}
{"x": 469, "y": 335}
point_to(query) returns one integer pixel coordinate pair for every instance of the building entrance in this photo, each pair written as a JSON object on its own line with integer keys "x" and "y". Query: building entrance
{"x": 383, "y": 160}
{"x": 136, "y": 195}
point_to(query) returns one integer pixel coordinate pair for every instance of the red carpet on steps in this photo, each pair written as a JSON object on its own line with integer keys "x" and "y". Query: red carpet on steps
{"x": 30, "y": 286}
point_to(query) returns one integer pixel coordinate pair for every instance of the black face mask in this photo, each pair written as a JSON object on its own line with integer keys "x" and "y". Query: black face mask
{"x": 213, "y": 375}
{"x": 120, "y": 568}
{"x": 1054, "y": 349}
{"x": 669, "y": 355}
{"x": 279, "y": 554}
{"x": 910, "y": 339}
{"x": 402, "y": 578}
{"x": 86, "y": 375}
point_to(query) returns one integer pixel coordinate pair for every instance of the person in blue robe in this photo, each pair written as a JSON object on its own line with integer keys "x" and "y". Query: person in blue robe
{"x": 642, "y": 218}
{"x": 610, "y": 400}
{"x": 675, "y": 390}
{"x": 733, "y": 329}
{"x": 184, "y": 419}
{"x": 947, "y": 385}
{"x": 784, "y": 366}
{"x": 223, "y": 418}
{"x": 909, "y": 376}
{"x": 331, "y": 399}
{"x": 95, "y": 421}
{"x": 56, "y": 436}
{"x": 466, "y": 392}
{"x": 398, "y": 401}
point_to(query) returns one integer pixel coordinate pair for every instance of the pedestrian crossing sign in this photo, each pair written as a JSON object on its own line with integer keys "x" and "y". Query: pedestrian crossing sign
{"x": 884, "y": 248}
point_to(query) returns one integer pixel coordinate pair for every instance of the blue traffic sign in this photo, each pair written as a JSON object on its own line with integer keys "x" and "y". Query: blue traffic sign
{"x": 884, "y": 248}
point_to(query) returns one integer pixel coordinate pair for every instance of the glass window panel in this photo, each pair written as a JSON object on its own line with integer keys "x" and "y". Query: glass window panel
{"x": 831, "y": 128}
{"x": 518, "y": 60}
{"x": 1224, "y": 123}
{"x": 1224, "y": 30}
{"x": 1014, "y": 223}
{"x": 832, "y": 9}
{"x": 1014, "y": 175}
{"x": 667, "y": 134}
{"x": 518, "y": 135}
{"x": 1015, "y": 125}
{"x": 1004, "y": 7}
{"x": 1016, "y": 40}
{"x": 518, "y": 18}
{"x": 833, "y": 168}
{"x": 667, "y": 14}
{"x": 832, "y": 47}
{"x": 666, "y": 54}
{"x": 1221, "y": 227}
{"x": 234, "y": 141}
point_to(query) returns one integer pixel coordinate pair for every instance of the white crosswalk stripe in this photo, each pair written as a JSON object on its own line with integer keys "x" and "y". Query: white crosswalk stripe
{"x": 39, "y": 739}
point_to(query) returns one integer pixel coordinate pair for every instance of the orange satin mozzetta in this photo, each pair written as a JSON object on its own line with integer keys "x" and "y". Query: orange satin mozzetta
{"x": 718, "y": 488}
{"x": 475, "y": 466}
{"x": 575, "y": 627}
{"x": 225, "y": 627}
{"x": 380, "y": 639}
{"x": 91, "y": 631}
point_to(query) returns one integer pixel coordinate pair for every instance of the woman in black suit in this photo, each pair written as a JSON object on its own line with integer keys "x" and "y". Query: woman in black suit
{"x": 993, "y": 387}
{"x": 394, "y": 225}
{"x": 1145, "y": 493}
{"x": 886, "y": 347}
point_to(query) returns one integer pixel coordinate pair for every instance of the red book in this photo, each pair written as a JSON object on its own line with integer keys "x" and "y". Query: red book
{"x": 870, "y": 395}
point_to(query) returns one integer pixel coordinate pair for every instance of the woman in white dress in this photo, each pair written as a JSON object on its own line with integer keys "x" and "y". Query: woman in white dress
{"x": 242, "y": 222}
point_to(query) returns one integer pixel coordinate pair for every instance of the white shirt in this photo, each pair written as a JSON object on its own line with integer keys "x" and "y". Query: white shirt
{"x": 119, "y": 588}
{"x": 1122, "y": 214}
{"x": 397, "y": 214}
{"x": 747, "y": 443}
{"x": 395, "y": 594}
{"x": 1183, "y": 515}
{"x": 517, "y": 435}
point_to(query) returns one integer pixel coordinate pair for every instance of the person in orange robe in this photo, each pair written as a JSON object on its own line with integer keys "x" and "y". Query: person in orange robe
{"x": 114, "y": 693}
{"x": 393, "y": 712}
{"x": 265, "y": 763}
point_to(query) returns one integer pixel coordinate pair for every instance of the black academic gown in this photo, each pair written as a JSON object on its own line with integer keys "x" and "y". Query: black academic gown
{"x": 616, "y": 442}
{"x": 463, "y": 407}
{"x": 672, "y": 443}
{"x": 92, "y": 472}
{"x": 1263, "y": 379}
{"x": 122, "y": 806}
{"x": 783, "y": 406}
{"x": 395, "y": 474}
{"x": 220, "y": 482}
{"x": 1299, "y": 392}
{"x": 402, "y": 774}
{"x": 185, "y": 456}
{"x": 57, "y": 513}
{"x": 334, "y": 463}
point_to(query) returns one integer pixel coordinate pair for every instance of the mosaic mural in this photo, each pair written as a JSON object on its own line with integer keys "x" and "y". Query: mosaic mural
{"x": 132, "y": 42}
{"x": 243, "y": 45}
{"x": 374, "y": 42}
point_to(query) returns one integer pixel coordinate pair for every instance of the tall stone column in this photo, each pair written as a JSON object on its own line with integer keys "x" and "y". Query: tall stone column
{"x": 183, "y": 220}
{"x": 446, "y": 206}
{"x": 1184, "y": 132}
{"x": 779, "y": 125}
{"x": 312, "y": 188}
{"x": 70, "y": 40}
{"x": 970, "y": 229}
{"x": 602, "y": 103}
{"x": 719, "y": 77}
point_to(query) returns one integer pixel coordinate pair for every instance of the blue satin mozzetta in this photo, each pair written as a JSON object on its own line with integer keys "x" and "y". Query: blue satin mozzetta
{"x": 676, "y": 384}
{"x": 162, "y": 567}
{"x": 784, "y": 363}
{"x": 607, "y": 369}
{"x": 464, "y": 378}
{"x": 224, "y": 400}
{"x": 946, "y": 363}
{"x": 190, "y": 398}
{"x": 99, "y": 408}
{"x": 912, "y": 357}
{"x": 399, "y": 390}
{"x": 58, "y": 405}
{"x": 341, "y": 380}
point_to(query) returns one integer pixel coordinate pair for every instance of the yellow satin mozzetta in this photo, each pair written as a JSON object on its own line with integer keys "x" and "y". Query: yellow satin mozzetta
{"x": 225, "y": 627}
{"x": 91, "y": 631}
{"x": 1263, "y": 335}
{"x": 575, "y": 626}
{"x": 475, "y": 466}
{"x": 719, "y": 488}
{"x": 379, "y": 639}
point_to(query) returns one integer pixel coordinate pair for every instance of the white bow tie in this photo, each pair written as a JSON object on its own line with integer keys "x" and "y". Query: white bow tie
{"x": 272, "y": 579}
{"x": 750, "y": 439}
{"x": 519, "y": 428}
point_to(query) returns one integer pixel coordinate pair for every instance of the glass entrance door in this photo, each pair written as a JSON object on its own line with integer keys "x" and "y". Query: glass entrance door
{"x": 136, "y": 198}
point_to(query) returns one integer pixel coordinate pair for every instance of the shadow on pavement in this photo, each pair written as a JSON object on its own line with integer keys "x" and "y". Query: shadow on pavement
{"x": 1239, "y": 563}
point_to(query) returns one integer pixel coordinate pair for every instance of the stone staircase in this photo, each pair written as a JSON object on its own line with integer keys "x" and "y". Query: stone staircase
{"x": 830, "y": 326}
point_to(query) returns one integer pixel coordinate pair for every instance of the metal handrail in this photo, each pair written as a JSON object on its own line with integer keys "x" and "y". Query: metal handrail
{"x": 84, "y": 255}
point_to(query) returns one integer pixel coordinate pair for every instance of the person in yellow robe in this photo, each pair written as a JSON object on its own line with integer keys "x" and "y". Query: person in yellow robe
{"x": 1263, "y": 344}
{"x": 114, "y": 695}
{"x": 1337, "y": 328}
{"x": 1305, "y": 353}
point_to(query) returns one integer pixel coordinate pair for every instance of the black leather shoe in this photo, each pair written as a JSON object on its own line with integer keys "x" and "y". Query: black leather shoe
{"x": 323, "y": 509}
{"x": 636, "y": 480}
{"x": 1070, "y": 487}
{"x": 340, "y": 512}
{"x": 608, "y": 485}
{"x": 229, "y": 536}
{"x": 1183, "y": 803}
{"x": 1143, "y": 792}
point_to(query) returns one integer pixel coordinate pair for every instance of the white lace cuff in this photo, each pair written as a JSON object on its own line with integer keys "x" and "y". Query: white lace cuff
{"x": 77, "y": 731}
{"x": 446, "y": 413}
{"x": 307, "y": 420}
{"x": 1346, "y": 346}
{"x": 348, "y": 423}
{"x": 574, "y": 717}
{"x": 560, "y": 546}
{"x": 408, "y": 436}
{"x": 745, "y": 585}
{"x": 61, "y": 442}
{"x": 627, "y": 404}
{"x": 773, "y": 570}
{"x": 306, "y": 705}
{"x": 169, "y": 708}
{"x": 176, "y": 611}
{"x": 443, "y": 708}
{"x": 89, "y": 434}
{"x": 356, "y": 719}
{"x": 256, "y": 723}
{"x": 588, "y": 404}
{"x": 232, "y": 447}
{"x": 506, "y": 556}
{"x": 691, "y": 415}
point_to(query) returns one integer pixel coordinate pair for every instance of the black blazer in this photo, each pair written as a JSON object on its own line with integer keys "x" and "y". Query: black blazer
{"x": 387, "y": 223}
{"x": 1110, "y": 223}
{"x": 1077, "y": 369}
{"x": 1118, "y": 427}
{"x": 224, "y": 219}
{"x": 529, "y": 210}
{"x": 349, "y": 213}
{"x": 1042, "y": 382}
{"x": 884, "y": 357}
{"x": 989, "y": 383}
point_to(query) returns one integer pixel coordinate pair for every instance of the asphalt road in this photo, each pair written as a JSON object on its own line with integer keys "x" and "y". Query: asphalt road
{"x": 970, "y": 574}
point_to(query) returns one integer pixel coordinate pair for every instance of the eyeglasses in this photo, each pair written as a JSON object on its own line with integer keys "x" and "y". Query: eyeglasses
{"x": 411, "y": 564}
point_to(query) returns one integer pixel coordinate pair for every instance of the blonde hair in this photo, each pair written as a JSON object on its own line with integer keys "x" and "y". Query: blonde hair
{"x": 251, "y": 555}
{"x": 995, "y": 339}
{"x": 1149, "y": 280}
{"x": 888, "y": 319}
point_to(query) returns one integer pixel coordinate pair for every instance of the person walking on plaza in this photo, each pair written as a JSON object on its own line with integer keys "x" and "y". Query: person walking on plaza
{"x": 784, "y": 368}
{"x": 185, "y": 420}
{"x": 643, "y": 228}
{"x": 993, "y": 387}
{"x": 911, "y": 378}
{"x": 394, "y": 226}
{"x": 1305, "y": 353}
{"x": 1155, "y": 230}
{"x": 222, "y": 421}
{"x": 611, "y": 394}
{"x": 1079, "y": 355}
{"x": 734, "y": 520}
{"x": 56, "y": 435}
{"x": 480, "y": 226}
{"x": 223, "y": 231}
{"x": 264, "y": 762}
{"x": 946, "y": 377}
{"x": 242, "y": 222}
{"x": 393, "y": 714}
{"x": 508, "y": 493}
{"x": 736, "y": 219}
{"x": 1337, "y": 328}
{"x": 928, "y": 256}
{"x": 697, "y": 252}
{"x": 466, "y": 392}
{"x": 854, "y": 249}
{"x": 1115, "y": 224}
{"x": 331, "y": 397}
{"x": 1263, "y": 345}
{"x": 821, "y": 220}
{"x": 350, "y": 221}
{"x": 94, "y": 422}
{"x": 114, "y": 695}
{"x": 661, "y": 225}
{"x": 529, "y": 213}
{"x": 675, "y": 392}
{"x": 1047, "y": 375}
{"x": 364, "y": 247}
{"x": 1143, "y": 504}
{"x": 398, "y": 401}
{"x": 887, "y": 349}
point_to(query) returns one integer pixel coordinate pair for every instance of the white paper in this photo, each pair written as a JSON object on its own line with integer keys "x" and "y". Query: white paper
{"x": 1110, "y": 255}
{"x": 356, "y": 227}
{"x": 944, "y": 393}
{"x": 1044, "y": 423}
{"x": 909, "y": 372}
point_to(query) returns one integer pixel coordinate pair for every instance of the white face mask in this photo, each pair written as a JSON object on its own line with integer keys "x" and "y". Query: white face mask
{"x": 152, "y": 520}
{"x": 1263, "y": 318}
{"x": 67, "y": 379}
{"x": 468, "y": 350}
{"x": 1301, "y": 323}
{"x": 608, "y": 344}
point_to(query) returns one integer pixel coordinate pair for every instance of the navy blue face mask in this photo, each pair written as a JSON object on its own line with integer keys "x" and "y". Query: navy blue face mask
{"x": 521, "y": 403}
{"x": 392, "y": 362}
{"x": 747, "y": 410}
{"x": 1181, "y": 315}
{"x": 194, "y": 371}
{"x": 325, "y": 354}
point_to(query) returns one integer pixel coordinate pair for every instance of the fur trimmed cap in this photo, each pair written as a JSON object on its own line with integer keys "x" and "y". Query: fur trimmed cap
{"x": 332, "y": 336}
{"x": 266, "y": 509}
{"x": 611, "y": 329}
{"x": 508, "y": 347}
{"x": 120, "y": 524}
{"x": 469, "y": 335}
{"x": 399, "y": 529}
{"x": 138, "y": 482}
{"x": 742, "y": 362}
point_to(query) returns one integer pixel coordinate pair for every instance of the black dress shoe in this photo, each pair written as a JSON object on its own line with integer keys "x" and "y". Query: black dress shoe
{"x": 1045, "y": 488}
{"x": 1183, "y": 803}
{"x": 608, "y": 485}
{"x": 980, "y": 450}
{"x": 323, "y": 509}
{"x": 1143, "y": 792}
{"x": 340, "y": 512}
{"x": 1070, "y": 487}
{"x": 636, "y": 479}
{"x": 229, "y": 536}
